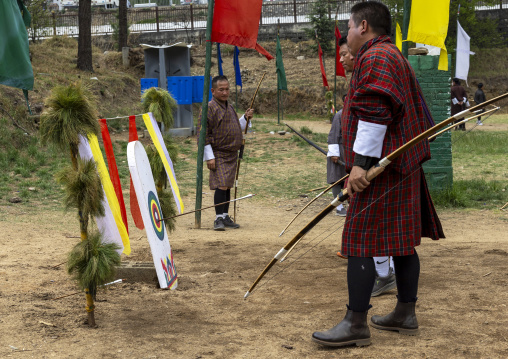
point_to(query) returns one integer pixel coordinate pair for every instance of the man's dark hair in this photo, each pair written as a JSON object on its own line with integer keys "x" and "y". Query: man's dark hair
{"x": 480, "y": 85}
{"x": 217, "y": 79}
{"x": 456, "y": 81}
{"x": 342, "y": 41}
{"x": 376, "y": 14}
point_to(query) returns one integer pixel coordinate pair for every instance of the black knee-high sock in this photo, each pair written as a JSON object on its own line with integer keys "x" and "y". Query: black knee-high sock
{"x": 219, "y": 197}
{"x": 407, "y": 273}
{"x": 228, "y": 198}
{"x": 361, "y": 274}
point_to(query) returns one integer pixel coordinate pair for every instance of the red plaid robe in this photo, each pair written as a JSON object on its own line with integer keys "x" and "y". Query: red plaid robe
{"x": 392, "y": 214}
{"x": 224, "y": 134}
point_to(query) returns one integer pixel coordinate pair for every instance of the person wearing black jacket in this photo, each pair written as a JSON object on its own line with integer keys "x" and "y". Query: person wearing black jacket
{"x": 479, "y": 97}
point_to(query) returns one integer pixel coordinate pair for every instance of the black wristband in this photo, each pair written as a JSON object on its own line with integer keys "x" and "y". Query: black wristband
{"x": 365, "y": 162}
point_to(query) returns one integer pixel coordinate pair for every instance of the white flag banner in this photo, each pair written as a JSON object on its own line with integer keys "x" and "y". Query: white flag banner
{"x": 463, "y": 52}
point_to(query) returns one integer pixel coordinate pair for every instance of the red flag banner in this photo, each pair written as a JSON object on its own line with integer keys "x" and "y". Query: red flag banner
{"x": 339, "y": 69}
{"x": 113, "y": 170}
{"x": 236, "y": 22}
{"x": 135, "y": 211}
{"x": 323, "y": 73}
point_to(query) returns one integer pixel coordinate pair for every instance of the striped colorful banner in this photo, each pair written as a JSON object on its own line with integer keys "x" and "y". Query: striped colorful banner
{"x": 113, "y": 170}
{"x": 106, "y": 224}
{"x": 158, "y": 141}
{"x": 109, "y": 191}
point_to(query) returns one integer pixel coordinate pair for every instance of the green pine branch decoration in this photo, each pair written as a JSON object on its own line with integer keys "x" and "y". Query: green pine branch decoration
{"x": 83, "y": 189}
{"x": 93, "y": 263}
{"x": 161, "y": 104}
{"x": 70, "y": 113}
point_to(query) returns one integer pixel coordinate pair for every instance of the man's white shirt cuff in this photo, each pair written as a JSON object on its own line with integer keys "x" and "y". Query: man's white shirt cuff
{"x": 208, "y": 155}
{"x": 455, "y": 101}
{"x": 369, "y": 139}
{"x": 243, "y": 122}
{"x": 333, "y": 151}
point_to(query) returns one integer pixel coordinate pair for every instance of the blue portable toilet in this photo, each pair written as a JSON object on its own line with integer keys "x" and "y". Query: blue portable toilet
{"x": 181, "y": 88}
{"x": 148, "y": 83}
{"x": 198, "y": 84}
{"x": 165, "y": 62}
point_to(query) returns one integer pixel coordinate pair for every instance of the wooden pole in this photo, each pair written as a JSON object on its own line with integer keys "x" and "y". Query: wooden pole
{"x": 240, "y": 153}
{"x": 204, "y": 115}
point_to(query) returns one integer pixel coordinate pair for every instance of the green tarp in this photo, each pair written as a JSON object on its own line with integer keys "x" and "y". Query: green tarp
{"x": 15, "y": 67}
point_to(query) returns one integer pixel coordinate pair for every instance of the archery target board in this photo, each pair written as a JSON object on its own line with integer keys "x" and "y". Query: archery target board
{"x": 150, "y": 208}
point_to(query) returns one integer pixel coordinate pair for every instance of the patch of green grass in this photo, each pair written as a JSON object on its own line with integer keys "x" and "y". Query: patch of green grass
{"x": 27, "y": 164}
{"x": 476, "y": 193}
{"x": 480, "y": 142}
{"x": 320, "y": 137}
{"x": 304, "y": 130}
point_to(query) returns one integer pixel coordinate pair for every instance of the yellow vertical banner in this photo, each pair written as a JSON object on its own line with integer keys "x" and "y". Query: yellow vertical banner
{"x": 428, "y": 25}
{"x": 398, "y": 37}
{"x": 158, "y": 141}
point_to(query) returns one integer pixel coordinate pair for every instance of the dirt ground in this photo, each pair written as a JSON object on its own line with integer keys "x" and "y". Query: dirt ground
{"x": 462, "y": 307}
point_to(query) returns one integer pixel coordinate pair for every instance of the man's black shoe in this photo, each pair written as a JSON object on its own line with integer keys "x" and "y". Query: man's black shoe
{"x": 218, "y": 225}
{"x": 228, "y": 222}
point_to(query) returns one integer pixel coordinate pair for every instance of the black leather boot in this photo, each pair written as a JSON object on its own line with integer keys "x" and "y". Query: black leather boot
{"x": 401, "y": 319}
{"x": 353, "y": 329}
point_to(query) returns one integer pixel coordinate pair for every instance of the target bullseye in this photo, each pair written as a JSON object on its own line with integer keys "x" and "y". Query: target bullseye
{"x": 155, "y": 215}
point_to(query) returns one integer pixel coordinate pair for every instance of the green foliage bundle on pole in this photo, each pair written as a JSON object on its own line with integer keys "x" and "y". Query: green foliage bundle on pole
{"x": 71, "y": 113}
{"x": 161, "y": 104}
{"x": 322, "y": 24}
{"x": 83, "y": 189}
{"x": 93, "y": 263}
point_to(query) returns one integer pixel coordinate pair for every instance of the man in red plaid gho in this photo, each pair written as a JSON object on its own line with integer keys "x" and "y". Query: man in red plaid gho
{"x": 388, "y": 216}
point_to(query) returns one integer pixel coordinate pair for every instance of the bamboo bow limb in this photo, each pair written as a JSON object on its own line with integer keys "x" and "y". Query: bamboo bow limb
{"x": 240, "y": 155}
{"x": 312, "y": 201}
{"x": 372, "y": 173}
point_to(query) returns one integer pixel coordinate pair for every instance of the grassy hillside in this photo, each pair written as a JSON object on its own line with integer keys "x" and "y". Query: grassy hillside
{"x": 54, "y": 63}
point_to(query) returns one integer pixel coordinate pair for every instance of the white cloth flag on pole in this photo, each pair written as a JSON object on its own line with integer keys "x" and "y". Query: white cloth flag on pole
{"x": 463, "y": 52}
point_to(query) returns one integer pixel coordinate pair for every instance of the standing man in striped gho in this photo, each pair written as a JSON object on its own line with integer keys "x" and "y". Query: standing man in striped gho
{"x": 389, "y": 215}
{"x": 224, "y": 134}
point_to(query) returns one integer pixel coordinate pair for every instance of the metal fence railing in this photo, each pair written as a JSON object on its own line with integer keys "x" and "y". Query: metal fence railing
{"x": 190, "y": 17}
{"x": 168, "y": 18}
{"x": 492, "y": 5}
